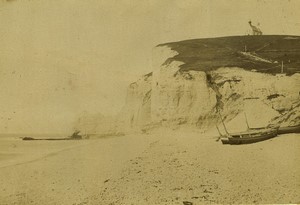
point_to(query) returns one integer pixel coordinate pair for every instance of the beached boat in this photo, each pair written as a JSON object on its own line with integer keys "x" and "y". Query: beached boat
{"x": 250, "y": 136}
{"x": 225, "y": 140}
{"x": 289, "y": 129}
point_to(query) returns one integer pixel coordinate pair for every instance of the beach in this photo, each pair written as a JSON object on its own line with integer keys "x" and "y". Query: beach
{"x": 162, "y": 167}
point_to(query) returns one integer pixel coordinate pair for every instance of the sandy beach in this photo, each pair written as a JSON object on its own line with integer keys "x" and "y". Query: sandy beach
{"x": 164, "y": 167}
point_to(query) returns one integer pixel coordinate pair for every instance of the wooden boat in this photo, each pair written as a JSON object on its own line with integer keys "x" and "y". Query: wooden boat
{"x": 249, "y": 136}
{"x": 289, "y": 129}
{"x": 224, "y": 140}
{"x": 263, "y": 128}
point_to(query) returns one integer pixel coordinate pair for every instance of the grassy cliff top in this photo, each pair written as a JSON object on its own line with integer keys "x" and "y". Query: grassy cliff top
{"x": 263, "y": 53}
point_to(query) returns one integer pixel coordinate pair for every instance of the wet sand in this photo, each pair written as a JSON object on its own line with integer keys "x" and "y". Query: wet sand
{"x": 165, "y": 167}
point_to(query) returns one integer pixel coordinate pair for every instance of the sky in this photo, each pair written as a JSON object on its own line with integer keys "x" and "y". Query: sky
{"x": 59, "y": 58}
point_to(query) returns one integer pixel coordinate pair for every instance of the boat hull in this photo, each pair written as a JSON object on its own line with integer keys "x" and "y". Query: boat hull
{"x": 249, "y": 137}
{"x": 252, "y": 138}
{"x": 287, "y": 130}
{"x": 225, "y": 140}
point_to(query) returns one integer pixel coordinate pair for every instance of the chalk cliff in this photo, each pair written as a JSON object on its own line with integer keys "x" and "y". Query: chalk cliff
{"x": 195, "y": 80}
{"x": 175, "y": 95}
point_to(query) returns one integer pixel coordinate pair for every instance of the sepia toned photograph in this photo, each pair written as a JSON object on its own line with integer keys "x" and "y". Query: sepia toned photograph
{"x": 149, "y": 102}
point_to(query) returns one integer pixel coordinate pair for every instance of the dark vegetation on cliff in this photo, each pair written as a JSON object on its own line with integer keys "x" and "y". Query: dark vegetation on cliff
{"x": 263, "y": 53}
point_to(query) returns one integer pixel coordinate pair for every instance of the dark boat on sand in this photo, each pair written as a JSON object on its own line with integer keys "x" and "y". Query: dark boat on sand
{"x": 250, "y": 136}
{"x": 289, "y": 129}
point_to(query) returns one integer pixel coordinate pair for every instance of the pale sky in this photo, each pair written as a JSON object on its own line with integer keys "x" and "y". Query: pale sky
{"x": 59, "y": 58}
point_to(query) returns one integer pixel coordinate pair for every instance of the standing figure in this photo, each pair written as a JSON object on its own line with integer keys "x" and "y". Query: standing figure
{"x": 255, "y": 30}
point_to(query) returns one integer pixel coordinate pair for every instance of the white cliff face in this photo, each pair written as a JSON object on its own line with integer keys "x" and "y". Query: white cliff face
{"x": 177, "y": 97}
{"x": 137, "y": 110}
{"x": 171, "y": 97}
{"x": 180, "y": 98}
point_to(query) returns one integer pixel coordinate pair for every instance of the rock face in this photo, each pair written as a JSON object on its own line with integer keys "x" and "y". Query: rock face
{"x": 195, "y": 82}
{"x": 137, "y": 110}
{"x": 169, "y": 96}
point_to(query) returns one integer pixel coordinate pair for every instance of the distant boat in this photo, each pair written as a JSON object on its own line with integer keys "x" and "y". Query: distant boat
{"x": 75, "y": 136}
{"x": 289, "y": 129}
{"x": 28, "y": 138}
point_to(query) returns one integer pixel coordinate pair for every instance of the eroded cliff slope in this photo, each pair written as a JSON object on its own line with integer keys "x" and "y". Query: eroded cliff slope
{"x": 176, "y": 94}
{"x": 195, "y": 80}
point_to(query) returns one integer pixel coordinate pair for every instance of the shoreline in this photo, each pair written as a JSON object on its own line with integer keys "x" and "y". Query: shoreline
{"x": 163, "y": 167}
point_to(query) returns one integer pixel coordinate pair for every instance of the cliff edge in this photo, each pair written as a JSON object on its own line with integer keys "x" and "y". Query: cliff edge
{"x": 193, "y": 80}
